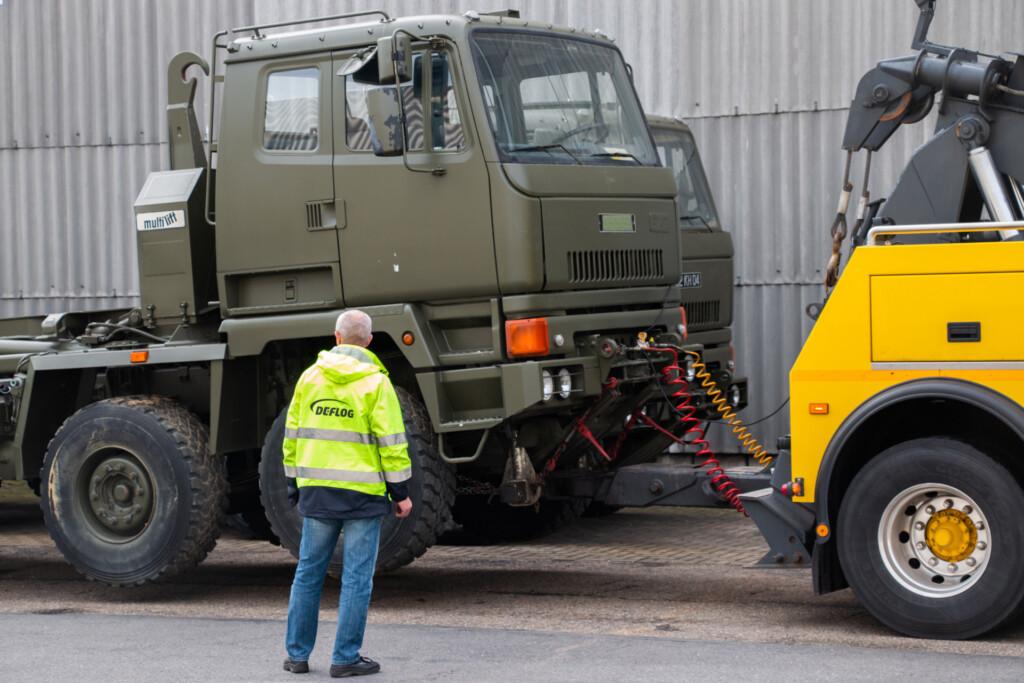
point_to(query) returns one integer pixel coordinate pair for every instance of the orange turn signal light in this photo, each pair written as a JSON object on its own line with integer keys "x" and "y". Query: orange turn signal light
{"x": 818, "y": 409}
{"x": 822, "y": 530}
{"x": 527, "y": 337}
{"x": 138, "y": 356}
{"x": 408, "y": 338}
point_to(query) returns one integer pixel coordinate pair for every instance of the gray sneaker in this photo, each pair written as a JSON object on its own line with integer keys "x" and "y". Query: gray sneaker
{"x": 364, "y": 666}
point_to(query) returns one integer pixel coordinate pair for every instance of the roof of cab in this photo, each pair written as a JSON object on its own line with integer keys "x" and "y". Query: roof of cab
{"x": 261, "y": 45}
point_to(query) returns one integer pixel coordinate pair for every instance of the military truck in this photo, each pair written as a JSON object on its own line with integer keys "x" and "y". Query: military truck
{"x": 707, "y": 252}
{"x": 485, "y": 187}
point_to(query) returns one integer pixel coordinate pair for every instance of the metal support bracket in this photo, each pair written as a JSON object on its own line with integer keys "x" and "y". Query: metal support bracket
{"x": 785, "y": 525}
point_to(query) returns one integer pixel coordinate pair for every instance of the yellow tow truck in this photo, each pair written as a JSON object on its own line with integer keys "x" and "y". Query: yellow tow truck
{"x": 902, "y": 476}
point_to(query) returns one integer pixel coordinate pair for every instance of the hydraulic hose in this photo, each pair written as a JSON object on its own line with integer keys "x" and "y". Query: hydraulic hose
{"x": 693, "y": 433}
{"x": 750, "y": 444}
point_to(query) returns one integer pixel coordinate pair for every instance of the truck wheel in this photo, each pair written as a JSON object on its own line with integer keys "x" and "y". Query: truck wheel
{"x": 930, "y": 539}
{"x": 432, "y": 489}
{"x": 131, "y": 494}
{"x": 485, "y": 519}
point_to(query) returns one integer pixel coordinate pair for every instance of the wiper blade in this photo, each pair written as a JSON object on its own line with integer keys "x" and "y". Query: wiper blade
{"x": 547, "y": 148}
{"x": 617, "y": 156}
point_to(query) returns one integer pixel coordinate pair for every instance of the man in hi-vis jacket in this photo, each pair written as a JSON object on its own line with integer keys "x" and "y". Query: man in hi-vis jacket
{"x": 347, "y": 460}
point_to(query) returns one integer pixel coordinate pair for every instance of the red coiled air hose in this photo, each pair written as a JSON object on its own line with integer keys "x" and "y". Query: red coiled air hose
{"x": 672, "y": 375}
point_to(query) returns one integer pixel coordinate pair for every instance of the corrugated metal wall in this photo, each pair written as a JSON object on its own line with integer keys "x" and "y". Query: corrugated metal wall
{"x": 82, "y": 96}
{"x": 764, "y": 83}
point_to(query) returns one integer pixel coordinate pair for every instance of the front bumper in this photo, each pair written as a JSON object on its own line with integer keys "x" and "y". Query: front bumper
{"x": 482, "y": 396}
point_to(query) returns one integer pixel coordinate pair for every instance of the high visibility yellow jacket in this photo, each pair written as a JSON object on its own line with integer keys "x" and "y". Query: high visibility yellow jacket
{"x": 345, "y": 443}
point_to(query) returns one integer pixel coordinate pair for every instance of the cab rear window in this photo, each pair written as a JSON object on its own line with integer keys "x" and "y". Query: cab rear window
{"x": 292, "y": 118}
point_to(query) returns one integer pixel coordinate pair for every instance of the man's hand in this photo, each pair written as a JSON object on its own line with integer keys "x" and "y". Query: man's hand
{"x": 403, "y": 508}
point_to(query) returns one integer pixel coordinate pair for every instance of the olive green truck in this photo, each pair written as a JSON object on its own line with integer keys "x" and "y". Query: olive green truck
{"x": 488, "y": 190}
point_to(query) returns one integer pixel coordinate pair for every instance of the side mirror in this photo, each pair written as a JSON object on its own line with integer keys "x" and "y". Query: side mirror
{"x": 385, "y": 116}
{"x": 394, "y": 58}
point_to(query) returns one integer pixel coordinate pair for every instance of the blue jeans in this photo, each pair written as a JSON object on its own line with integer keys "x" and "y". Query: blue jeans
{"x": 319, "y": 537}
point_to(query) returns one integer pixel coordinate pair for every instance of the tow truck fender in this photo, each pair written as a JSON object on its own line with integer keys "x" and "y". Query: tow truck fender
{"x": 827, "y": 572}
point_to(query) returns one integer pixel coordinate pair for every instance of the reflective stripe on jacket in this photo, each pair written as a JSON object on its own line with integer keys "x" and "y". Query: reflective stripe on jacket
{"x": 344, "y": 428}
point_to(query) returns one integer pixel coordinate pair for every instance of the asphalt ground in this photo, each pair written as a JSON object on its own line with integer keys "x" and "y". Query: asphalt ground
{"x": 676, "y": 584}
{"x": 109, "y": 649}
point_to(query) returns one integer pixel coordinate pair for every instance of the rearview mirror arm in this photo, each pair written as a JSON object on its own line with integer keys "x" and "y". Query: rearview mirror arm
{"x": 437, "y": 171}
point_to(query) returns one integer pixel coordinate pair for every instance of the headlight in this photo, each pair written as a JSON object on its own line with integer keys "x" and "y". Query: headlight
{"x": 547, "y": 385}
{"x": 735, "y": 396}
{"x": 689, "y": 369}
{"x": 564, "y": 383}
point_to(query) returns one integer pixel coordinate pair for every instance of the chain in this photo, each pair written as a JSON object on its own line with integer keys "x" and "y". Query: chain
{"x": 865, "y": 198}
{"x": 473, "y": 487}
{"x": 838, "y": 228}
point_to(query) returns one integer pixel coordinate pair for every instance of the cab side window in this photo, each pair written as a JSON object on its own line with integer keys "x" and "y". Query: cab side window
{"x": 445, "y": 124}
{"x": 292, "y": 118}
{"x": 357, "y": 119}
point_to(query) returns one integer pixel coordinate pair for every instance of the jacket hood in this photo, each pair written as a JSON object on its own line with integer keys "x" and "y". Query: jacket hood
{"x": 344, "y": 364}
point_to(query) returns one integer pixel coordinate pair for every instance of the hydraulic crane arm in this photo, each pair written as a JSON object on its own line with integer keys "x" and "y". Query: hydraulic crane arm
{"x": 975, "y": 159}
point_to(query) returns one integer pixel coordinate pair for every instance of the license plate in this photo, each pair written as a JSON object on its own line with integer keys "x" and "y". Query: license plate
{"x": 690, "y": 281}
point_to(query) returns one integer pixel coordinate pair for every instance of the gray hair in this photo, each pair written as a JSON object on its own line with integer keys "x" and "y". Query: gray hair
{"x": 355, "y": 327}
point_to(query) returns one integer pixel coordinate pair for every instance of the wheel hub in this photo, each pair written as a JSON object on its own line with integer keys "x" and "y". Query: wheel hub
{"x": 120, "y": 495}
{"x": 934, "y": 540}
{"x": 951, "y": 535}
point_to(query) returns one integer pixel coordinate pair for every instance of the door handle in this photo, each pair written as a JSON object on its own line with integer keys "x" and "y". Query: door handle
{"x": 963, "y": 332}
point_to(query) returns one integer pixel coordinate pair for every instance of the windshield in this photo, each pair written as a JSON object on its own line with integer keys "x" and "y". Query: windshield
{"x": 679, "y": 152}
{"x": 554, "y": 100}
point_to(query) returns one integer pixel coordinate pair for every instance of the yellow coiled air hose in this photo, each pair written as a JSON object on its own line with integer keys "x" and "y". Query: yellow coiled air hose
{"x": 750, "y": 444}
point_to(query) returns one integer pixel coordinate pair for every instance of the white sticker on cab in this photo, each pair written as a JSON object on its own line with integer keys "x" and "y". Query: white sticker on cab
{"x": 160, "y": 220}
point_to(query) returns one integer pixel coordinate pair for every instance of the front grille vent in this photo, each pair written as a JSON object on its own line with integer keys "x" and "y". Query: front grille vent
{"x": 702, "y": 312}
{"x": 611, "y": 265}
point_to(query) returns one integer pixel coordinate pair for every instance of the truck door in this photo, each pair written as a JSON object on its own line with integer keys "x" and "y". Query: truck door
{"x": 409, "y": 235}
{"x": 277, "y": 244}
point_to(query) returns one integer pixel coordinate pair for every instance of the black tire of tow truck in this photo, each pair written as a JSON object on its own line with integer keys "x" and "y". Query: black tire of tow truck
{"x": 148, "y": 451}
{"x": 997, "y": 593}
{"x": 485, "y": 519}
{"x": 432, "y": 489}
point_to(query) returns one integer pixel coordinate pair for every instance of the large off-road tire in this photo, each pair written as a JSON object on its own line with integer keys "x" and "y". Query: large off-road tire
{"x": 485, "y": 519}
{"x": 432, "y": 489}
{"x": 131, "y": 493}
{"x": 930, "y": 539}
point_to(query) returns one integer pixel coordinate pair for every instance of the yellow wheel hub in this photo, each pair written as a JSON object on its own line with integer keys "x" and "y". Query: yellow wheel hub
{"x": 951, "y": 535}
